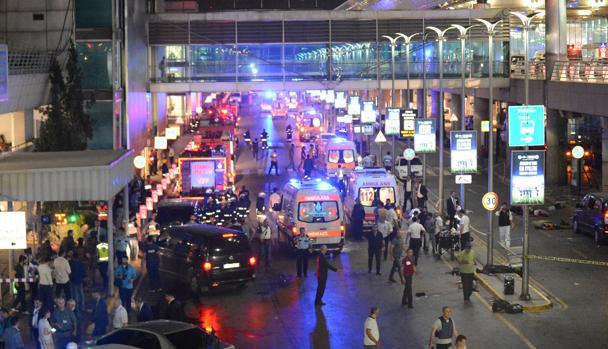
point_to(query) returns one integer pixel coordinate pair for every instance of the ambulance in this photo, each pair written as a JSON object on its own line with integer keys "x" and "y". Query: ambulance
{"x": 337, "y": 156}
{"x": 370, "y": 185}
{"x": 316, "y": 206}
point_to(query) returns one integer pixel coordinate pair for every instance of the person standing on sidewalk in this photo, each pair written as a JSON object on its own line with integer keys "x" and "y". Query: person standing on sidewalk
{"x": 303, "y": 245}
{"x": 46, "y": 283}
{"x": 36, "y": 316}
{"x": 77, "y": 278}
{"x": 396, "y": 255}
{"x": 466, "y": 259}
{"x": 20, "y": 284}
{"x": 451, "y": 205}
{"x": 407, "y": 186}
{"x": 409, "y": 269}
{"x": 64, "y": 321}
{"x": 255, "y": 147}
{"x": 323, "y": 266}
{"x": 374, "y": 249}
{"x": 444, "y": 329}
{"x": 266, "y": 242}
{"x": 100, "y": 315}
{"x": 505, "y": 224}
{"x": 125, "y": 275}
{"x": 103, "y": 255}
{"x": 415, "y": 231}
{"x": 464, "y": 228}
{"x": 45, "y": 335}
{"x": 61, "y": 272}
{"x": 371, "y": 334}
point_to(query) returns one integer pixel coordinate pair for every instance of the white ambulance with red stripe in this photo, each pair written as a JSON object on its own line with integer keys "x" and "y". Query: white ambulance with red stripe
{"x": 316, "y": 206}
{"x": 370, "y": 185}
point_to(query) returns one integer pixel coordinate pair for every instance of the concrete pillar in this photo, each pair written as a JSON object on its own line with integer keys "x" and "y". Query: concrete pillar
{"x": 604, "y": 154}
{"x": 555, "y": 164}
{"x": 480, "y": 112}
{"x": 555, "y": 33}
{"x": 435, "y": 103}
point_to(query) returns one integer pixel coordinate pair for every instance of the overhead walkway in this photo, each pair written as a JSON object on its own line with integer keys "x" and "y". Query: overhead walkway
{"x": 294, "y": 50}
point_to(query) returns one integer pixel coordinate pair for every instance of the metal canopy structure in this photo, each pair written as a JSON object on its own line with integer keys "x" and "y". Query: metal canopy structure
{"x": 65, "y": 176}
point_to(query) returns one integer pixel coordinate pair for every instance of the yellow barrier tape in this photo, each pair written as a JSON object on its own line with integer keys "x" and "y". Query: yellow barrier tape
{"x": 568, "y": 260}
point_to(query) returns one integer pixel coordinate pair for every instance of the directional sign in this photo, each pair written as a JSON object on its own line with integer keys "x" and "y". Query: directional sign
{"x": 464, "y": 179}
{"x": 380, "y": 138}
{"x": 528, "y": 177}
{"x": 578, "y": 152}
{"x": 526, "y": 125}
{"x": 425, "y": 140}
{"x": 490, "y": 201}
{"x": 409, "y": 154}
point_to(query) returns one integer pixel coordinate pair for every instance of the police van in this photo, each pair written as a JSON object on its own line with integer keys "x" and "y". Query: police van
{"x": 315, "y": 206}
{"x": 337, "y": 156}
{"x": 370, "y": 185}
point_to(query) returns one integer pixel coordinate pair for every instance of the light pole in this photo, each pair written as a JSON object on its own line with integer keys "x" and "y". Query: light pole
{"x": 491, "y": 30}
{"x": 462, "y": 35}
{"x": 393, "y": 42}
{"x": 440, "y": 38}
{"x": 526, "y": 21}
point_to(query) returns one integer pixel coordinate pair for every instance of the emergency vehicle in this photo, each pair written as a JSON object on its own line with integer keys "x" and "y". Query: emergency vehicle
{"x": 309, "y": 125}
{"x": 370, "y": 186}
{"x": 337, "y": 156}
{"x": 316, "y": 206}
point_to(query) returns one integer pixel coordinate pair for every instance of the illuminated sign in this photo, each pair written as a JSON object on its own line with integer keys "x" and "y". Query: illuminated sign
{"x": 340, "y": 100}
{"x": 320, "y": 198}
{"x": 526, "y": 125}
{"x": 368, "y": 114}
{"x": 425, "y": 140}
{"x": 354, "y": 106}
{"x": 172, "y": 132}
{"x": 527, "y": 177}
{"x": 463, "y": 145}
{"x": 392, "y": 122}
{"x": 407, "y": 122}
{"x": 160, "y": 143}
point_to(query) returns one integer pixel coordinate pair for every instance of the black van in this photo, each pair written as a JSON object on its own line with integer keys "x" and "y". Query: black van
{"x": 172, "y": 212}
{"x": 206, "y": 256}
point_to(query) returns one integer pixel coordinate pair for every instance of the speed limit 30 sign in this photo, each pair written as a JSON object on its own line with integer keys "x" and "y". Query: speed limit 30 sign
{"x": 490, "y": 201}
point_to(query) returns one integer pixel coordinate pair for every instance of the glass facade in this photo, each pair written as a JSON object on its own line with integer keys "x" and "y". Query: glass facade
{"x": 95, "y": 61}
{"x": 536, "y": 45}
{"x": 588, "y": 38}
{"x": 93, "y": 14}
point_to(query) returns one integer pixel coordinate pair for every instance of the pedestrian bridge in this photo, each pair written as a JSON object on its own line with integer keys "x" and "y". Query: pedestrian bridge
{"x": 342, "y": 50}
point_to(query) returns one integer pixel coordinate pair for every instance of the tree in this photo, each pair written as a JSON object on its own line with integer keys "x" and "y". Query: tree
{"x": 68, "y": 126}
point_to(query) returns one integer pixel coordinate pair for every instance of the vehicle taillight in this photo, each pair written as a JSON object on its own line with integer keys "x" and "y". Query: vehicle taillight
{"x": 252, "y": 261}
{"x": 229, "y": 235}
{"x": 294, "y": 230}
{"x": 207, "y": 266}
{"x": 342, "y": 229}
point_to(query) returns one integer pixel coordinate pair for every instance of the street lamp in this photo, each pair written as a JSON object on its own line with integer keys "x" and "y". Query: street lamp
{"x": 526, "y": 21}
{"x": 440, "y": 38}
{"x": 491, "y": 30}
{"x": 408, "y": 41}
{"x": 462, "y": 35}
{"x": 393, "y": 42}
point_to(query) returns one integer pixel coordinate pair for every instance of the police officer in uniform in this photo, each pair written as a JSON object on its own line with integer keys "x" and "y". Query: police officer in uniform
{"x": 209, "y": 209}
{"x": 303, "y": 245}
{"x": 151, "y": 251}
{"x": 103, "y": 253}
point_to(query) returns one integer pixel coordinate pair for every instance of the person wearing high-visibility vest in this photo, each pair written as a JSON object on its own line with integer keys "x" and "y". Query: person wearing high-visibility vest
{"x": 103, "y": 253}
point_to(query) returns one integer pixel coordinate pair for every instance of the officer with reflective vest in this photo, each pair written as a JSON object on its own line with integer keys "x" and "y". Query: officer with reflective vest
{"x": 103, "y": 253}
{"x": 209, "y": 210}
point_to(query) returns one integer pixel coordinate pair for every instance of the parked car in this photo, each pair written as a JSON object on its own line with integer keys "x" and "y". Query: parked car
{"x": 206, "y": 256}
{"x": 591, "y": 217}
{"x": 402, "y": 169}
{"x": 172, "y": 212}
{"x": 161, "y": 334}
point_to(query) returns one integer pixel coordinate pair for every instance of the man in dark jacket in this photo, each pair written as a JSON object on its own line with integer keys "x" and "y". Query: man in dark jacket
{"x": 451, "y": 205}
{"x": 174, "y": 309}
{"x": 308, "y": 166}
{"x": 374, "y": 249}
{"x": 357, "y": 218}
{"x": 323, "y": 266}
{"x": 100, "y": 315}
{"x": 144, "y": 311}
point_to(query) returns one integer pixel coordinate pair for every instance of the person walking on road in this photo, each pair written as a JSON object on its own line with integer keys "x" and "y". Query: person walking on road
{"x": 151, "y": 253}
{"x": 265, "y": 241}
{"x": 444, "y": 329}
{"x": 407, "y": 273}
{"x": 466, "y": 259}
{"x": 371, "y": 334}
{"x": 415, "y": 231}
{"x": 422, "y": 195}
{"x": 274, "y": 158}
{"x": 309, "y": 165}
{"x": 302, "y": 157}
{"x": 464, "y": 228}
{"x": 291, "y": 154}
{"x": 357, "y": 217}
{"x": 407, "y": 196}
{"x": 505, "y": 224}
{"x": 374, "y": 249}
{"x": 61, "y": 272}
{"x": 303, "y": 245}
{"x": 397, "y": 256}
{"x": 323, "y": 266}
{"x": 255, "y": 147}
{"x": 387, "y": 161}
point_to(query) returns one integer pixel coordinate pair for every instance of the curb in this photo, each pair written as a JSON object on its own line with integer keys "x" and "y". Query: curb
{"x": 527, "y": 308}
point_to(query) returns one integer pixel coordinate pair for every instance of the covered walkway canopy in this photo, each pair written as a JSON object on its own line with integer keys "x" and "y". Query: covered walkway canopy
{"x": 90, "y": 175}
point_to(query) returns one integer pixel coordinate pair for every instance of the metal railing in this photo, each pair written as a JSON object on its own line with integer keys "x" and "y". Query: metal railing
{"x": 538, "y": 70}
{"x": 29, "y": 62}
{"x": 595, "y": 72}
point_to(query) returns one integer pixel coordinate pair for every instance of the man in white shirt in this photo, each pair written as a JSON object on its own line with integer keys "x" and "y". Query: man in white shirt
{"x": 121, "y": 318}
{"x": 45, "y": 282}
{"x": 464, "y": 229}
{"x": 265, "y": 239}
{"x": 371, "y": 334}
{"x": 62, "y": 273}
{"x": 274, "y": 199}
{"x": 415, "y": 231}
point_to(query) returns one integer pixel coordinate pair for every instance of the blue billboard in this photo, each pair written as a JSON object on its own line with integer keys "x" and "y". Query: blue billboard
{"x": 463, "y": 151}
{"x": 425, "y": 140}
{"x": 528, "y": 177}
{"x": 526, "y": 125}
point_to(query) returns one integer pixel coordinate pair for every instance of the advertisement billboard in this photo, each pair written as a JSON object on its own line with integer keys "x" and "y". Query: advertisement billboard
{"x": 354, "y": 106}
{"x": 340, "y": 100}
{"x": 528, "y": 177}
{"x": 463, "y": 151}
{"x": 368, "y": 114}
{"x": 407, "y": 126}
{"x": 425, "y": 140}
{"x": 391, "y": 123}
{"x": 199, "y": 174}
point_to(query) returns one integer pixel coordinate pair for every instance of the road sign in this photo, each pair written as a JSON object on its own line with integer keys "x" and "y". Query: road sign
{"x": 528, "y": 177}
{"x": 380, "y": 138}
{"x": 490, "y": 201}
{"x": 13, "y": 231}
{"x": 485, "y": 126}
{"x": 425, "y": 140}
{"x": 464, "y": 179}
{"x": 409, "y": 154}
{"x": 407, "y": 122}
{"x": 578, "y": 152}
{"x": 526, "y": 125}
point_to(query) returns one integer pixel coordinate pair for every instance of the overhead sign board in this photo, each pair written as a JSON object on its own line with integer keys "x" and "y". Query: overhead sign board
{"x": 464, "y": 179}
{"x": 340, "y": 100}
{"x": 368, "y": 114}
{"x": 391, "y": 123}
{"x": 354, "y": 105}
{"x": 425, "y": 140}
{"x": 528, "y": 177}
{"x": 13, "y": 234}
{"x": 463, "y": 151}
{"x": 526, "y": 125}
{"x": 407, "y": 126}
